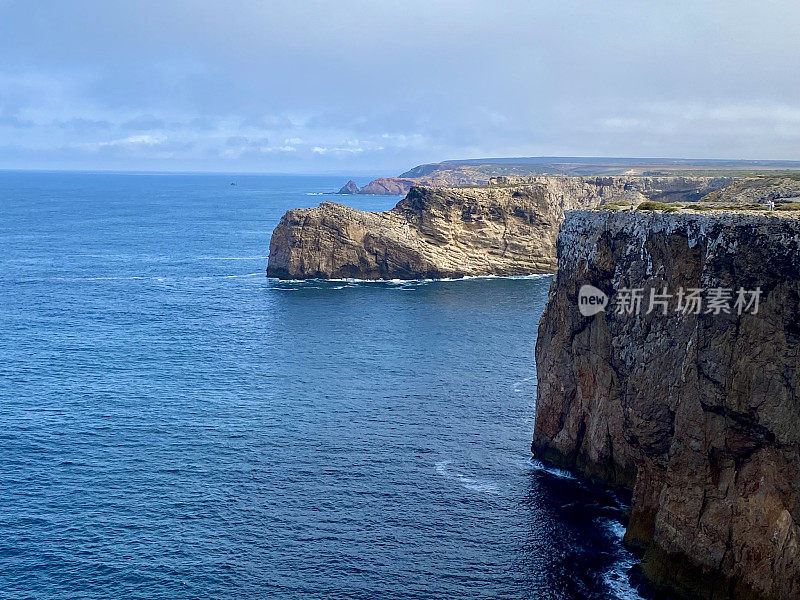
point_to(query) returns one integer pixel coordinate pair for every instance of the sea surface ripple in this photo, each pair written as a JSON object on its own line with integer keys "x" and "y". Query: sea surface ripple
{"x": 175, "y": 425}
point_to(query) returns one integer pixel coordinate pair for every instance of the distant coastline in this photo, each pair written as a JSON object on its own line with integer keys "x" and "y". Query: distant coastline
{"x": 505, "y": 227}
{"x": 453, "y": 173}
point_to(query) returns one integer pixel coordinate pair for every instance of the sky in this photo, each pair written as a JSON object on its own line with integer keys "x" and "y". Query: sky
{"x": 380, "y": 86}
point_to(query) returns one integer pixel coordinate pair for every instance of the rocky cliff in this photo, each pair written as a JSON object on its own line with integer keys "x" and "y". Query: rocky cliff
{"x": 348, "y": 188}
{"x": 760, "y": 190}
{"x": 697, "y": 413}
{"x": 478, "y": 171}
{"x": 390, "y": 186}
{"x": 508, "y": 227}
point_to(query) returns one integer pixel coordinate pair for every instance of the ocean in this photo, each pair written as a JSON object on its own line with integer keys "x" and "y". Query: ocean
{"x": 175, "y": 425}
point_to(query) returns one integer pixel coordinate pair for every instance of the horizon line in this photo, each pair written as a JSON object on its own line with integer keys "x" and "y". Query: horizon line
{"x": 372, "y": 172}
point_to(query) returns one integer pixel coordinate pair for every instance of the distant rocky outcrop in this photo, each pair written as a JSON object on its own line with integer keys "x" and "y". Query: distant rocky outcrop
{"x": 506, "y": 228}
{"x": 454, "y": 173}
{"x": 389, "y": 186}
{"x": 349, "y": 188}
{"x": 759, "y": 190}
{"x": 697, "y": 414}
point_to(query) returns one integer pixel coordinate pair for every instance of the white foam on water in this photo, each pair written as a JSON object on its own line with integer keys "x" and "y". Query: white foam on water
{"x": 228, "y": 276}
{"x": 614, "y": 527}
{"x": 232, "y": 257}
{"x": 616, "y": 577}
{"x": 617, "y": 581}
{"x": 110, "y": 278}
{"x": 473, "y": 484}
{"x": 142, "y": 278}
{"x": 406, "y": 282}
{"x": 623, "y": 505}
{"x": 539, "y": 466}
{"x": 518, "y": 386}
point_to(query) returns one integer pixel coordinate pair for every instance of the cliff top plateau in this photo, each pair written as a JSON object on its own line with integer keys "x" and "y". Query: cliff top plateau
{"x": 693, "y": 405}
{"x": 479, "y": 171}
{"x": 507, "y": 227}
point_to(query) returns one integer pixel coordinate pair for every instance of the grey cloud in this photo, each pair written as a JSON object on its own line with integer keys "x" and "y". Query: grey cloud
{"x": 374, "y": 85}
{"x": 144, "y": 123}
{"x": 9, "y": 119}
{"x": 83, "y": 125}
{"x": 267, "y": 122}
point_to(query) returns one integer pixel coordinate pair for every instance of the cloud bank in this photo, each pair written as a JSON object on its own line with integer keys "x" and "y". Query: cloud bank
{"x": 368, "y": 86}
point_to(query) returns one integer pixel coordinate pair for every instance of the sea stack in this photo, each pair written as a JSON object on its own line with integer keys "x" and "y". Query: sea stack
{"x": 698, "y": 414}
{"x": 348, "y": 188}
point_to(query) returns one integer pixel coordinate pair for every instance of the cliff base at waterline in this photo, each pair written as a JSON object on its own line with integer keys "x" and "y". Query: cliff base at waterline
{"x": 697, "y": 414}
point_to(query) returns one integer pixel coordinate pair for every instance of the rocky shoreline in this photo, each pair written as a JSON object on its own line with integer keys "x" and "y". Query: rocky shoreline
{"x": 480, "y": 171}
{"x": 697, "y": 414}
{"x": 507, "y": 227}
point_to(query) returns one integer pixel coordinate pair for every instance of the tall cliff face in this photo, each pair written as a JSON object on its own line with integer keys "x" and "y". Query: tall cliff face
{"x": 432, "y": 233}
{"x": 698, "y": 414}
{"x": 506, "y": 228}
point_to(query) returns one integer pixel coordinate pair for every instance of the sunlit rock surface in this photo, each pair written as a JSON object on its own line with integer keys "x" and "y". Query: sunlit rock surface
{"x": 508, "y": 227}
{"x": 697, "y": 414}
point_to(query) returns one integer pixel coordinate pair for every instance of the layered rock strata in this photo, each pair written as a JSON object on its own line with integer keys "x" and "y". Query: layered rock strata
{"x": 508, "y": 227}
{"x": 478, "y": 172}
{"x": 697, "y": 414}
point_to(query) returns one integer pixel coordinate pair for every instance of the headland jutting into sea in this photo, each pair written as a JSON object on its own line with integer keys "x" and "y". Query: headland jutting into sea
{"x": 697, "y": 414}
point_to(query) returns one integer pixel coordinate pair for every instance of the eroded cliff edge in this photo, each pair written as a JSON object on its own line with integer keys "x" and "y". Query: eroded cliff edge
{"x": 508, "y": 227}
{"x": 698, "y": 414}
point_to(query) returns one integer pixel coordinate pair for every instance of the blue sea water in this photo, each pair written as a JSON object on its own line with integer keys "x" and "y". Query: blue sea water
{"x": 175, "y": 425}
